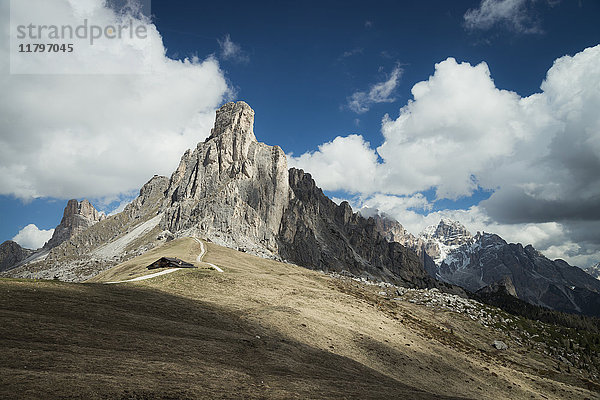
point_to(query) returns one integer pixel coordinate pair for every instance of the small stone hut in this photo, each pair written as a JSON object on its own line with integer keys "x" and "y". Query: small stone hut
{"x": 170, "y": 262}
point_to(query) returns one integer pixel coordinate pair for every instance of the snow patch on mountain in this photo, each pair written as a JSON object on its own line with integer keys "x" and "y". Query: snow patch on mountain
{"x": 443, "y": 239}
{"x": 594, "y": 270}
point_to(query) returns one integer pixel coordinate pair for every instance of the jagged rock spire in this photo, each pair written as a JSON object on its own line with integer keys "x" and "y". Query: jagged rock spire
{"x": 235, "y": 119}
{"x": 77, "y": 217}
{"x": 231, "y": 188}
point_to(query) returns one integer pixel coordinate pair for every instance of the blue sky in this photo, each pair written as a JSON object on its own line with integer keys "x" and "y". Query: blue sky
{"x": 296, "y": 53}
{"x": 300, "y": 64}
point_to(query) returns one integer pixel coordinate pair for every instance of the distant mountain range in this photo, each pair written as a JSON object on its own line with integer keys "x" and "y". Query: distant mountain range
{"x": 450, "y": 253}
{"x": 238, "y": 192}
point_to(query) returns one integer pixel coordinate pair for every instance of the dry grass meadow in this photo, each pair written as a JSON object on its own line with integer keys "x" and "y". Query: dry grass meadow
{"x": 260, "y": 330}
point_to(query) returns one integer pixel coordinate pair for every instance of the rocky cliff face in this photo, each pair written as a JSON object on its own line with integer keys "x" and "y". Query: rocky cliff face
{"x": 239, "y": 193}
{"x": 11, "y": 254}
{"x": 318, "y": 234}
{"x": 77, "y": 217}
{"x": 230, "y": 189}
{"x": 393, "y": 231}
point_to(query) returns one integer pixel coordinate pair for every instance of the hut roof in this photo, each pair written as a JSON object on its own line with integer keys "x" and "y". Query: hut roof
{"x": 170, "y": 262}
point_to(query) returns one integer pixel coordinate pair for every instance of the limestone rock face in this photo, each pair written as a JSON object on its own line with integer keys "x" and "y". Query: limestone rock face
{"x": 11, "y": 254}
{"x": 77, "y": 217}
{"x": 393, "y": 231}
{"x": 150, "y": 198}
{"x": 318, "y": 234}
{"x": 231, "y": 189}
{"x": 239, "y": 193}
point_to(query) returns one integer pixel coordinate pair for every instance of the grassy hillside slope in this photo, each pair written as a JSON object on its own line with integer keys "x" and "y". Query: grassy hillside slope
{"x": 260, "y": 330}
{"x": 186, "y": 249}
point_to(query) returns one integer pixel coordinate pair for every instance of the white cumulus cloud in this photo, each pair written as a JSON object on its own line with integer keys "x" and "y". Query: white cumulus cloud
{"x": 458, "y": 124}
{"x": 73, "y": 136}
{"x": 31, "y": 237}
{"x": 346, "y": 163}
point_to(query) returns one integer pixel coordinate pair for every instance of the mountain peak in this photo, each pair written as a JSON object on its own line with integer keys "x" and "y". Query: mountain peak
{"x": 594, "y": 270}
{"x": 11, "y": 253}
{"x": 447, "y": 231}
{"x": 451, "y": 223}
{"x": 234, "y": 119}
{"x": 77, "y": 217}
{"x": 231, "y": 188}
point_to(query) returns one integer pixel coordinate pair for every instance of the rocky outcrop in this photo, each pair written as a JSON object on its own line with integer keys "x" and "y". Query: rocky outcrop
{"x": 150, "y": 198}
{"x": 239, "y": 193}
{"x": 504, "y": 286}
{"x": 499, "y": 345}
{"x": 231, "y": 189}
{"x": 594, "y": 270}
{"x": 318, "y": 234}
{"x": 77, "y": 217}
{"x": 393, "y": 231}
{"x": 11, "y": 253}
